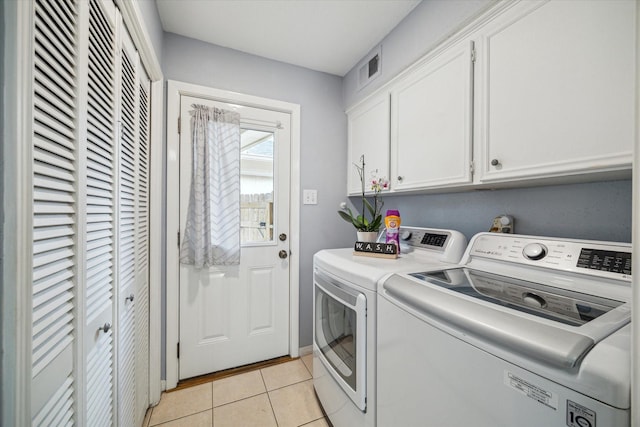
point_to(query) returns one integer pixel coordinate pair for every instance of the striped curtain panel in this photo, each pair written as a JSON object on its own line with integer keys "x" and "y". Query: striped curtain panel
{"x": 212, "y": 233}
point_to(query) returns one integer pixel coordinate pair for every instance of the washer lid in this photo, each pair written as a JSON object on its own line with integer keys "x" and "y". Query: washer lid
{"x": 560, "y": 305}
{"x": 529, "y": 332}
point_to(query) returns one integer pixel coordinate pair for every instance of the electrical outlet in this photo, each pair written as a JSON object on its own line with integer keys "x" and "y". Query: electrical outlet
{"x": 309, "y": 197}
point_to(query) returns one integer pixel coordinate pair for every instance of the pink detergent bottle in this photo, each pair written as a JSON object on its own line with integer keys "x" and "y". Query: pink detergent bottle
{"x": 392, "y": 222}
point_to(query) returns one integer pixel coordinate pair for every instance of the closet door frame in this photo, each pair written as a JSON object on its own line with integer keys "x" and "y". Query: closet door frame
{"x": 17, "y": 239}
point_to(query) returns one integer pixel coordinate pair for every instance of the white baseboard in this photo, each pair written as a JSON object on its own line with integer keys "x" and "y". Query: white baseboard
{"x": 303, "y": 351}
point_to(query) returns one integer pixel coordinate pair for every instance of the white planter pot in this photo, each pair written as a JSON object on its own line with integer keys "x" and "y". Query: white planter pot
{"x": 367, "y": 236}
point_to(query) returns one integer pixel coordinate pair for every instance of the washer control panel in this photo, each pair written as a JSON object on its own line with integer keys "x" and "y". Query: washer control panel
{"x": 588, "y": 257}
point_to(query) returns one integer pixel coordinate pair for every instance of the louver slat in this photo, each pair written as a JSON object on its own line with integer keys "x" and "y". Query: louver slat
{"x": 58, "y": 410}
{"x": 100, "y": 202}
{"x": 100, "y": 366}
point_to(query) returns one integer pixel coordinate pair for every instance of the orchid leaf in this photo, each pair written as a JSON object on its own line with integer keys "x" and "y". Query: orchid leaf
{"x": 346, "y": 216}
{"x": 370, "y": 208}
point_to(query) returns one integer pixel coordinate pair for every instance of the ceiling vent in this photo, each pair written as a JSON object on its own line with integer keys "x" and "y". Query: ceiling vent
{"x": 370, "y": 68}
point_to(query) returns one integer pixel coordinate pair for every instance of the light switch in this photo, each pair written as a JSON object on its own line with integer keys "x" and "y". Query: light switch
{"x": 309, "y": 197}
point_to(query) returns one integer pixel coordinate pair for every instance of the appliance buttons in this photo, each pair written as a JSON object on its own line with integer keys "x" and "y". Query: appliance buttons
{"x": 534, "y": 251}
{"x": 533, "y": 300}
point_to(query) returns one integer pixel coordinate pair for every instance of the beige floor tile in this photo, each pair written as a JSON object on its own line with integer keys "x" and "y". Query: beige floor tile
{"x": 322, "y": 422}
{"x": 285, "y": 374}
{"x": 295, "y": 405}
{"x": 181, "y": 403}
{"x": 252, "y": 412}
{"x": 308, "y": 362}
{"x": 237, "y": 387}
{"x": 201, "y": 419}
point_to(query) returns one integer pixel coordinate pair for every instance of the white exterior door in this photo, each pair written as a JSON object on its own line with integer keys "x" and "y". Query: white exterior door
{"x": 236, "y": 315}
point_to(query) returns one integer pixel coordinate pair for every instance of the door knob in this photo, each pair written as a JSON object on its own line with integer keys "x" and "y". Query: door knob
{"x": 105, "y": 328}
{"x": 282, "y": 254}
{"x": 282, "y": 237}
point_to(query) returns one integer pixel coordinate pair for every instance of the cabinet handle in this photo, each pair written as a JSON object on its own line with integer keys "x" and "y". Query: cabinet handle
{"x": 105, "y": 328}
{"x": 400, "y": 178}
{"x": 129, "y": 298}
{"x": 495, "y": 162}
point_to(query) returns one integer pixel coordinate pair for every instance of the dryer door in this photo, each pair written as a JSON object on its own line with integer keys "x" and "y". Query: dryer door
{"x": 340, "y": 334}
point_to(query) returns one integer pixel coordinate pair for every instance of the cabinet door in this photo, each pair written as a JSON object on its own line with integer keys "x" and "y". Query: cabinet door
{"x": 368, "y": 125}
{"x": 431, "y": 125}
{"x": 557, "y": 91}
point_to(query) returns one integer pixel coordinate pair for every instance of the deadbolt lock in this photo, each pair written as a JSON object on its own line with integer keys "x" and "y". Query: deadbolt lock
{"x": 282, "y": 237}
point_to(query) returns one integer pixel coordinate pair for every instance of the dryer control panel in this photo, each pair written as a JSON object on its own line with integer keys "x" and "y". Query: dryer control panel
{"x": 449, "y": 245}
{"x": 605, "y": 259}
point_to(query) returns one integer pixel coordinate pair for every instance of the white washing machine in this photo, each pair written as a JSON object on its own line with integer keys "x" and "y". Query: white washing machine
{"x": 345, "y": 318}
{"x": 527, "y": 331}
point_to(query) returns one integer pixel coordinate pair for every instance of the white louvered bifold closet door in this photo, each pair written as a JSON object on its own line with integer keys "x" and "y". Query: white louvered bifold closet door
{"x": 55, "y": 205}
{"x": 127, "y": 267}
{"x": 100, "y": 236}
{"x": 133, "y": 232}
{"x": 90, "y": 144}
{"x": 142, "y": 255}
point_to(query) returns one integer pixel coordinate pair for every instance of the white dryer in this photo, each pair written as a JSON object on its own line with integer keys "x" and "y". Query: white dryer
{"x": 345, "y": 296}
{"x": 527, "y": 331}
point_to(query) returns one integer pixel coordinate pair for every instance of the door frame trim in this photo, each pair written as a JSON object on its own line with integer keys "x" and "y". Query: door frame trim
{"x": 174, "y": 90}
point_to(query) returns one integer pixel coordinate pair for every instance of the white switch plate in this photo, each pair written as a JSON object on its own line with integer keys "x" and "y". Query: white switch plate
{"x": 309, "y": 197}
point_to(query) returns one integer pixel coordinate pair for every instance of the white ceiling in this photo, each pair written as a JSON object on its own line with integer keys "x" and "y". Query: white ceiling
{"x": 323, "y": 35}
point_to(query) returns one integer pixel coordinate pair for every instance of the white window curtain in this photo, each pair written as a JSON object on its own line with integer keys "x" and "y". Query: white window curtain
{"x": 212, "y": 233}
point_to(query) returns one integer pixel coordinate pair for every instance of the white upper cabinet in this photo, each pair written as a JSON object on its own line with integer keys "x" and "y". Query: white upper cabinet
{"x": 556, "y": 90}
{"x": 535, "y": 91}
{"x": 368, "y": 136}
{"x": 431, "y": 122}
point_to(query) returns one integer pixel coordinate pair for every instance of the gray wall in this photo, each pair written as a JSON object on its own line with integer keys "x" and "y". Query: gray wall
{"x": 2, "y": 106}
{"x": 431, "y": 22}
{"x": 153, "y": 24}
{"x": 3, "y": 29}
{"x": 322, "y": 142}
{"x": 600, "y": 210}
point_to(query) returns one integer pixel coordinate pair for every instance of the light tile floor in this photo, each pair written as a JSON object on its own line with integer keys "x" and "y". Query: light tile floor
{"x": 277, "y": 396}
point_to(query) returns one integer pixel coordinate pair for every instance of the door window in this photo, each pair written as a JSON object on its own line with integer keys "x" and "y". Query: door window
{"x": 256, "y": 186}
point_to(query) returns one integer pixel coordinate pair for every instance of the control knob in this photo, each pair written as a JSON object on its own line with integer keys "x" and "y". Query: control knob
{"x": 534, "y": 251}
{"x": 406, "y": 235}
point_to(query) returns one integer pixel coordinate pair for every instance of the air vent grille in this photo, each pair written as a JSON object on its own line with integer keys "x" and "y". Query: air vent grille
{"x": 370, "y": 68}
